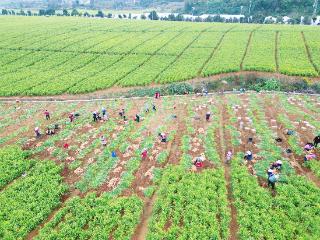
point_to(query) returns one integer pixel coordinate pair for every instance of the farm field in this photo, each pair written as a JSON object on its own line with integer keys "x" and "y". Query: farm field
{"x": 58, "y": 55}
{"x": 82, "y": 191}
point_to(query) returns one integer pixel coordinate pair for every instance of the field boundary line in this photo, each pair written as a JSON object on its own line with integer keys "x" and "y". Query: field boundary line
{"x": 52, "y": 100}
{"x": 247, "y": 48}
{"x": 180, "y": 54}
{"x": 30, "y": 51}
{"x": 41, "y": 59}
{"x": 233, "y": 224}
{"x": 75, "y": 68}
{"x": 309, "y": 53}
{"x": 276, "y": 50}
{"x": 54, "y": 66}
{"x": 112, "y": 64}
{"x": 152, "y": 55}
{"x": 214, "y": 50}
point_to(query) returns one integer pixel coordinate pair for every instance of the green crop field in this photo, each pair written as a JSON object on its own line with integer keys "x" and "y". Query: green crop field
{"x": 50, "y": 56}
{"x": 83, "y": 191}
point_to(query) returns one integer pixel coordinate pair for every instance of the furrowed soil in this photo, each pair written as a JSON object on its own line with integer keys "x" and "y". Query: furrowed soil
{"x": 86, "y": 133}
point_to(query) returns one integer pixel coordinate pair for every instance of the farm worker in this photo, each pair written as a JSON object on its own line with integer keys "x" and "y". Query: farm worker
{"x": 103, "y": 141}
{"x": 270, "y": 172}
{"x": 146, "y": 107}
{"x": 71, "y": 117}
{"x": 56, "y": 126}
{"x": 248, "y": 156}
{"x": 94, "y": 115}
{"x": 204, "y": 91}
{"x": 144, "y": 154}
{"x": 290, "y": 132}
{"x": 199, "y": 161}
{"x": 157, "y": 95}
{"x": 308, "y": 147}
{"x": 104, "y": 111}
{"x": 137, "y": 119}
{"x": 66, "y": 146}
{"x": 208, "y": 114}
{"x": 229, "y": 156}
{"x": 316, "y": 140}
{"x": 105, "y": 116}
{"x": 49, "y": 131}
{"x": 309, "y": 156}
{"x": 154, "y": 107}
{"x": 250, "y": 140}
{"x": 121, "y": 113}
{"x": 37, "y": 132}
{"x": 163, "y": 137}
{"x": 272, "y": 179}
{"x": 276, "y": 165}
{"x": 47, "y": 114}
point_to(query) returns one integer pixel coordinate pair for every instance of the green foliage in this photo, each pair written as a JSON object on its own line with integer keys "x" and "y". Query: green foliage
{"x": 96, "y": 218}
{"x": 13, "y": 164}
{"x": 65, "y": 60}
{"x": 30, "y": 200}
{"x": 148, "y": 192}
{"x": 188, "y": 204}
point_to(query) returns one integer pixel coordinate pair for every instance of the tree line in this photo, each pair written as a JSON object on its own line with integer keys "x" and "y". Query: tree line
{"x": 153, "y": 15}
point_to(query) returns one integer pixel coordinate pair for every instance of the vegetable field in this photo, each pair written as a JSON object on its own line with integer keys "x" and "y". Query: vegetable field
{"x": 57, "y": 55}
{"x": 85, "y": 190}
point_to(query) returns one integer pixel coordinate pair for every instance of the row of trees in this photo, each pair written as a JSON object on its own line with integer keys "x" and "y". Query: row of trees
{"x": 154, "y": 16}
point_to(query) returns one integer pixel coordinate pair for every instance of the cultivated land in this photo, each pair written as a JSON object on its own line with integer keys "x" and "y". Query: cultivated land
{"x": 56, "y": 55}
{"x": 48, "y": 192}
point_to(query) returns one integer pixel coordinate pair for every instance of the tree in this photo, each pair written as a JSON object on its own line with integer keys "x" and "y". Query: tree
{"x": 4, "y": 12}
{"x": 171, "y": 17}
{"x": 65, "y": 12}
{"x": 153, "y": 15}
{"x": 74, "y": 12}
{"x": 42, "y": 12}
{"x": 29, "y": 13}
{"x": 143, "y": 17}
{"x": 86, "y": 14}
{"x": 100, "y": 14}
{"x": 50, "y": 12}
{"x": 109, "y": 15}
{"x": 179, "y": 17}
{"x": 218, "y": 18}
{"x": 120, "y": 16}
{"x": 22, "y": 13}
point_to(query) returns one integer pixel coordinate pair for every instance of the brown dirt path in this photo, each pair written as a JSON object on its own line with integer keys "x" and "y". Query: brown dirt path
{"x": 142, "y": 229}
{"x": 309, "y": 53}
{"x": 173, "y": 158}
{"x": 227, "y": 171}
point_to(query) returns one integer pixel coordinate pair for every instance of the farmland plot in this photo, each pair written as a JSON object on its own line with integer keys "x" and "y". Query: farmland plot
{"x": 184, "y": 51}
{"x": 91, "y": 191}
